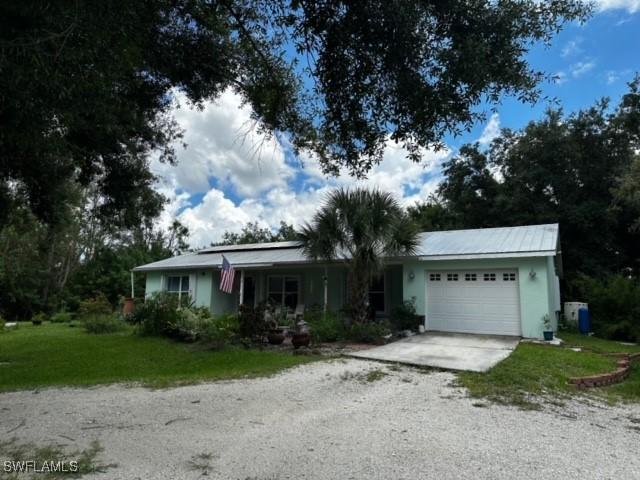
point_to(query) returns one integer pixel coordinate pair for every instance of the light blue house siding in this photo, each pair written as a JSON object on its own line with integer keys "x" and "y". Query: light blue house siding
{"x": 206, "y": 292}
{"x": 536, "y": 292}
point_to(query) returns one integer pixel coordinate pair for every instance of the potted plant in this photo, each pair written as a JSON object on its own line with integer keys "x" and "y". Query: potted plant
{"x": 547, "y": 330}
{"x": 301, "y": 337}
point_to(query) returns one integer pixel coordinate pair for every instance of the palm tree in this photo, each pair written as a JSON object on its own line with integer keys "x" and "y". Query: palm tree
{"x": 362, "y": 227}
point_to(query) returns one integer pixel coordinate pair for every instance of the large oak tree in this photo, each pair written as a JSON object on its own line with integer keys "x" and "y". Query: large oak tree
{"x": 86, "y": 87}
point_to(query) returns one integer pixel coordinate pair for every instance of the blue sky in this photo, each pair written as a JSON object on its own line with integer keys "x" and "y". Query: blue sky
{"x": 229, "y": 174}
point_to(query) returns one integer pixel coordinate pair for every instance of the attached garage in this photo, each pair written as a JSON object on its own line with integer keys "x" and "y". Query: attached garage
{"x": 492, "y": 281}
{"x": 473, "y": 301}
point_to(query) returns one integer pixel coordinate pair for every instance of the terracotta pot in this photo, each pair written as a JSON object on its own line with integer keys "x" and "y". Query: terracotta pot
{"x": 275, "y": 337}
{"x": 129, "y": 306}
{"x": 300, "y": 340}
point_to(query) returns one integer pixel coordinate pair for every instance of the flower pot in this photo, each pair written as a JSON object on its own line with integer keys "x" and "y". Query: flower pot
{"x": 300, "y": 340}
{"x": 128, "y": 307}
{"x": 275, "y": 337}
{"x": 548, "y": 336}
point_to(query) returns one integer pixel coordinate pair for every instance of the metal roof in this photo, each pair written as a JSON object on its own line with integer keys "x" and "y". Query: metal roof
{"x": 532, "y": 240}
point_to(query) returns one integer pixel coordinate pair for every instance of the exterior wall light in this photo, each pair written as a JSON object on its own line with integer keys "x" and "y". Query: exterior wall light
{"x": 532, "y": 274}
{"x": 412, "y": 275}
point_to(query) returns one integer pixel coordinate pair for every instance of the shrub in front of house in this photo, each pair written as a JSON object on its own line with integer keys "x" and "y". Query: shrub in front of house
{"x": 61, "y": 317}
{"x": 324, "y": 327}
{"x": 370, "y": 332}
{"x": 186, "y": 326}
{"x": 2, "y": 324}
{"x": 221, "y": 330}
{"x": 156, "y": 315}
{"x": 102, "y": 323}
{"x": 403, "y": 317}
{"x": 251, "y": 322}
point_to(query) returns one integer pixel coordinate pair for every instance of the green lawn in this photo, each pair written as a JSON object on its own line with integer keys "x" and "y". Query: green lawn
{"x": 57, "y": 355}
{"x": 543, "y": 370}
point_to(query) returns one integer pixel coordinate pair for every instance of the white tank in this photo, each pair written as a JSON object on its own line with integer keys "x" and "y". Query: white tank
{"x": 571, "y": 311}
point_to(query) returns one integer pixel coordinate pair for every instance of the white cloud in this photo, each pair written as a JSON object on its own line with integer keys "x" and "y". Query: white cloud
{"x": 631, "y": 6}
{"x": 572, "y": 48}
{"x": 491, "y": 130}
{"x": 223, "y": 144}
{"x": 612, "y": 76}
{"x": 208, "y": 220}
{"x": 266, "y": 188}
{"x": 580, "y": 68}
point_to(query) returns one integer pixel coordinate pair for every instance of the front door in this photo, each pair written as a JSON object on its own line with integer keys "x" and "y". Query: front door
{"x": 249, "y": 291}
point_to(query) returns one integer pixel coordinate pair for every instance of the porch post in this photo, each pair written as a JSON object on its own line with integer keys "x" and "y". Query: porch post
{"x": 325, "y": 282}
{"x": 132, "y": 289}
{"x": 241, "y": 287}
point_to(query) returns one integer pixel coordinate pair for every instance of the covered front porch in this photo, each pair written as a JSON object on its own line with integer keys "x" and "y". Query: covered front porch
{"x": 324, "y": 286}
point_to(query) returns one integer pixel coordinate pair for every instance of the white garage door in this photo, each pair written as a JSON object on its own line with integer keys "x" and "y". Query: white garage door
{"x": 473, "y": 301}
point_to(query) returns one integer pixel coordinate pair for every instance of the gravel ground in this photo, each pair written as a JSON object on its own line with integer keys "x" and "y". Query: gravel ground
{"x": 324, "y": 421}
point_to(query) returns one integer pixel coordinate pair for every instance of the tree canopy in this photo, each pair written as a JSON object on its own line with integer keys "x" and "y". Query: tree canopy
{"x": 252, "y": 232}
{"x": 86, "y": 87}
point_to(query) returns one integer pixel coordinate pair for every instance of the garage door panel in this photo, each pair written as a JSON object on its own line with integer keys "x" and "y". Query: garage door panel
{"x": 483, "y": 305}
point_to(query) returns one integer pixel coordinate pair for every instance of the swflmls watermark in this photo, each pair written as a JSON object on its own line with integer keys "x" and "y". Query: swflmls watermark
{"x": 33, "y": 466}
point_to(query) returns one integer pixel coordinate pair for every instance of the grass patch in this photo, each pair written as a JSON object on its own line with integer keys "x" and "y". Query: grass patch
{"x": 534, "y": 370}
{"x": 57, "y": 355}
{"x": 596, "y": 344}
{"x": 375, "y": 375}
{"x": 47, "y": 457}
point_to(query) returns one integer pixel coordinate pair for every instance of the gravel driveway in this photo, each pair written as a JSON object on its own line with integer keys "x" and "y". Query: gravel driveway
{"x": 327, "y": 421}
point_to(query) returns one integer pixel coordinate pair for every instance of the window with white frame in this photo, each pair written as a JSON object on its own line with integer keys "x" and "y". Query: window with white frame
{"x": 470, "y": 277}
{"x": 452, "y": 277}
{"x": 509, "y": 277}
{"x": 178, "y": 284}
{"x": 489, "y": 277}
{"x": 376, "y": 294}
{"x": 283, "y": 290}
{"x": 434, "y": 277}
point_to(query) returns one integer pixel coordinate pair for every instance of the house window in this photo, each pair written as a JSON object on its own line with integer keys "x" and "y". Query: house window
{"x": 376, "y": 294}
{"x": 452, "y": 277}
{"x": 470, "y": 277}
{"x": 489, "y": 277}
{"x": 434, "y": 277}
{"x": 179, "y": 285}
{"x": 283, "y": 290}
{"x": 509, "y": 277}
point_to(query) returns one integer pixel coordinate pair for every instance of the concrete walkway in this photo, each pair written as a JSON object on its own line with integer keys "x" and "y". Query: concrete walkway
{"x": 452, "y": 351}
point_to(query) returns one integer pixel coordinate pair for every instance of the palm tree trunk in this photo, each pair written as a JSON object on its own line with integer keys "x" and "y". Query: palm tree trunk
{"x": 359, "y": 297}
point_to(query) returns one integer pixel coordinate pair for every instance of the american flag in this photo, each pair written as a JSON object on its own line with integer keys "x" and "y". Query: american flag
{"x": 228, "y": 273}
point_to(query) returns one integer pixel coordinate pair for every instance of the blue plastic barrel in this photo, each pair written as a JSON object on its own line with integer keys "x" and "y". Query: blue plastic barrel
{"x": 584, "y": 321}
